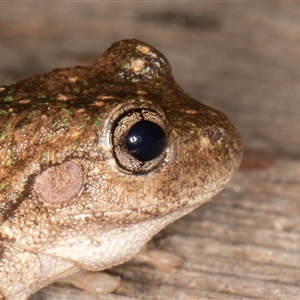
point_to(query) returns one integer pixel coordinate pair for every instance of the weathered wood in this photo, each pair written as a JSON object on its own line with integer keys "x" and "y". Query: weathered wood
{"x": 242, "y": 58}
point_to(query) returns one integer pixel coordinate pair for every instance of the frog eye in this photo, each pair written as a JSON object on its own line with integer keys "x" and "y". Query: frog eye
{"x": 145, "y": 141}
{"x": 139, "y": 141}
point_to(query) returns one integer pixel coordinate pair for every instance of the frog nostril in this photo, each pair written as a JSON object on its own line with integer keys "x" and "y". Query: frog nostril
{"x": 215, "y": 135}
{"x": 146, "y": 141}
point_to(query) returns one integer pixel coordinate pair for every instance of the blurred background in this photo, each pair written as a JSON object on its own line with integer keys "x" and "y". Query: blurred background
{"x": 241, "y": 58}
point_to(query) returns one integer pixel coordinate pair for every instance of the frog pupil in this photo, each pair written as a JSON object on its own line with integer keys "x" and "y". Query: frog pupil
{"x": 146, "y": 141}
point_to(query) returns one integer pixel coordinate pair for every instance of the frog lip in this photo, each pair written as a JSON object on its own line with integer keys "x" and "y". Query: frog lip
{"x": 161, "y": 210}
{"x": 161, "y": 207}
{"x": 182, "y": 204}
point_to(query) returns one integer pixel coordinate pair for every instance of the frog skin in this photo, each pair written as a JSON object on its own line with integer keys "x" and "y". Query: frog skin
{"x": 96, "y": 160}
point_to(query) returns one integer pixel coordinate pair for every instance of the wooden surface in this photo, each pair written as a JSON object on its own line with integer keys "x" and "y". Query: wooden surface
{"x": 242, "y": 58}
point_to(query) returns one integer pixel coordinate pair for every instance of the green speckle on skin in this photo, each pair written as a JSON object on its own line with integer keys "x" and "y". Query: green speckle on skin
{"x": 134, "y": 80}
{"x": 3, "y": 185}
{"x": 10, "y": 91}
{"x": 31, "y": 114}
{"x": 84, "y": 125}
{"x": 88, "y": 206}
{"x": 98, "y": 121}
{"x": 43, "y": 157}
{"x": 9, "y": 99}
{"x": 3, "y": 134}
{"x": 18, "y": 194}
{"x": 76, "y": 90}
{"x": 124, "y": 66}
{"x": 157, "y": 75}
{"x": 8, "y": 126}
{"x": 85, "y": 82}
{"x": 9, "y": 160}
{"x": 49, "y": 135}
{"x": 3, "y": 112}
{"x": 61, "y": 122}
{"x": 157, "y": 83}
{"x": 42, "y": 97}
{"x": 68, "y": 112}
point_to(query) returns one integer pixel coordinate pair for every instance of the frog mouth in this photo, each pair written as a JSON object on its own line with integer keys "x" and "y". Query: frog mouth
{"x": 136, "y": 214}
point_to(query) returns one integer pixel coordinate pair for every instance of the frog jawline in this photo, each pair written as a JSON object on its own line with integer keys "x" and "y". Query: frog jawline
{"x": 193, "y": 203}
{"x": 144, "y": 210}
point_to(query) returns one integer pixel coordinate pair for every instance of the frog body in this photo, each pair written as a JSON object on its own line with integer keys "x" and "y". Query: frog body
{"x": 78, "y": 189}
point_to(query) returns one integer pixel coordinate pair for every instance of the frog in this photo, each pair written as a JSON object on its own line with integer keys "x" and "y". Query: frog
{"x": 95, "y": 160}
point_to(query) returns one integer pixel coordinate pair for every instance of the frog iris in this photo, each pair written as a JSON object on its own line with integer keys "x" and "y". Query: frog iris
{"x": 139, "y": 140}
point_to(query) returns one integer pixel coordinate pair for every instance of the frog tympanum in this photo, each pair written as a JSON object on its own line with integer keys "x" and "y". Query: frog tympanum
{"x": 96, "y": 160}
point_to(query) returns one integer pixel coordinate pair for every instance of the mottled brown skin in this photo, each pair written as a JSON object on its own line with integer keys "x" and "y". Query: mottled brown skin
{"x": 59, "y": 179}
